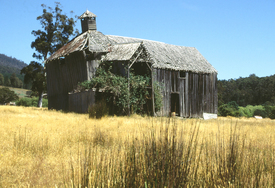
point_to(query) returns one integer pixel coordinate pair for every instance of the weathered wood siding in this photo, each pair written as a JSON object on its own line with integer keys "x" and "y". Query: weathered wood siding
{"x": 63, "y": 75}
{"x": 80, "y": 102}
{"x": 197, "y": 92}
{"x": 92, "y": 66}
{"x": 203, "y": 94}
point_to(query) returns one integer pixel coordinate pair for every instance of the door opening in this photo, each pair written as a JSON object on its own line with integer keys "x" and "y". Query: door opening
{"x": 175, "y": 104}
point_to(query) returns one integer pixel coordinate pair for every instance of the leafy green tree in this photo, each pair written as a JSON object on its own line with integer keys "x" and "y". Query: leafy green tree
{"x": 7, "y": 81}
{"x": 260, "y": 112}
{"x": 35, "y": 73}
{"x": 19, "y": 83}
{"x": 15, "y": 82}
{"x": 251, "y": 90}
{"x": 56, "y": 30}
{"x": 1, "y": 79}
{"x": 6, "y": 95}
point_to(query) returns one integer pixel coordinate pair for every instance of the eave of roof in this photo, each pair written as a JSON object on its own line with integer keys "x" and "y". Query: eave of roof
{"x": 94, "y": 41}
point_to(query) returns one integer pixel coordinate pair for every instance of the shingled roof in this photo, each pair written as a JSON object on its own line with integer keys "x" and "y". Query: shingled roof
{"x": 161, "y": 55}
{"x": 167, "y": 56}
{"x": 121, "y": 52}
{"x": 92, "y": 40}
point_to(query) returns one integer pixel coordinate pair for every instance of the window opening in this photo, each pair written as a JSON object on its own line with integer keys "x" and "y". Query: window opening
{"x": 182, "y": 74}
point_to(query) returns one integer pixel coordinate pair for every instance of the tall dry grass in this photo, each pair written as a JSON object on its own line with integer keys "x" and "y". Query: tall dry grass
{"x": 41, "y": 148}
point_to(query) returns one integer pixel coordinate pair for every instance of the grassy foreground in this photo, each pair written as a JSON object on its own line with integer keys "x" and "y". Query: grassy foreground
{"x": 41, "y": 148}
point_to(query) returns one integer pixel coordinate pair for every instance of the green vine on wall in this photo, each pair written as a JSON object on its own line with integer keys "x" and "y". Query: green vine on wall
{"x": 116, "y": 90}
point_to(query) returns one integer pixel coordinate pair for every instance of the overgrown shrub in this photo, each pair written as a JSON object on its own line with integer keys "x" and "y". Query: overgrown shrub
{"x": 244, "y": 112}
{"x": 26, "y": 101}
{"x": 6, "y": 95}
{"x": 270, "y": 111}
{"x": 250, "y": 110}
{"x": 271, "y": 115}
{"x": 260, "y": 112}
{"x": 122, "y": 92}
{"x": 98, "y": 110}
{"x": 229, "y": 109}
{"x": 158, "y": 96}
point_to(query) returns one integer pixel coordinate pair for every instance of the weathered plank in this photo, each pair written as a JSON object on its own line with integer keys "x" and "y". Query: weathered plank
{"x": 80, "y": 102}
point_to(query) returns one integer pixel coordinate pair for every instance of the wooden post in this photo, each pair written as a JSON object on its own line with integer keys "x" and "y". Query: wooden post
{"x": 153, "y": 92}
{"x": 128, "y": 90}
{"x": 129, "y": 66}
{"x": 187, "y": 108}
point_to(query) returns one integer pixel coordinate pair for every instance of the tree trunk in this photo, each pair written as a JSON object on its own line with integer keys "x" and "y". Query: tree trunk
{"x": 39, "y": 104}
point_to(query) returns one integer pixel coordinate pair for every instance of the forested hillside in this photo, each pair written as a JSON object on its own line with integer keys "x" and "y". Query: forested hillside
{"x": 10, "y": 72}
{"x": 252, "y": 90}
{"x": 9, "y": 65}
{"x": 11, "y": 62}
{"x": 247, "y": 96}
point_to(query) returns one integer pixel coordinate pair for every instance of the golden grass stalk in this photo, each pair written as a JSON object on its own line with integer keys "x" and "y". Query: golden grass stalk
{"x": 41, "y": 148}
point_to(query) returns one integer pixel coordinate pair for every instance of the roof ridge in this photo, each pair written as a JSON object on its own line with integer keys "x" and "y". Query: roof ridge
{"x": 121, "y": 43}
{"x": 147, "y": 40}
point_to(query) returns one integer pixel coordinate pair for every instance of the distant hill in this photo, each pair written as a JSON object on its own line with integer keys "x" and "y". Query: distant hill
{"x": 9, "y": 65}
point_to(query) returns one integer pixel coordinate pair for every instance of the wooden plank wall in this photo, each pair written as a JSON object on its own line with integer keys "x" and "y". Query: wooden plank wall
{"x": 202, "y": 94}
{"x": 182, "y": 97}
{"x": 169, "y": 83}
{"x": 80, "y": 102}
{"x": 163, "y": 79}
{"x": 197, "y": 92}
{"x": 58, "y": 102}
{"x": 63, "y": 75}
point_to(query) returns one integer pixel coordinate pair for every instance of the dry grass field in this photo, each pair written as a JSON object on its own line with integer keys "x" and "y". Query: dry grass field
{"x": 41, "y": 148}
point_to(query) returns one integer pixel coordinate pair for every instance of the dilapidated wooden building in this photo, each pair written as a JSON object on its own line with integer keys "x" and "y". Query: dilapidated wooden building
{"x": 188, "y": 80}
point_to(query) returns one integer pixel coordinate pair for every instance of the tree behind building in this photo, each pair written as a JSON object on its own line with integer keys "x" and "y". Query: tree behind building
{"x": 56, "y": 30}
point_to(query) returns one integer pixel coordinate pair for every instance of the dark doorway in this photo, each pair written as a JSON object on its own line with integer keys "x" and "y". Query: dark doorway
{"x": 175, "y": 103}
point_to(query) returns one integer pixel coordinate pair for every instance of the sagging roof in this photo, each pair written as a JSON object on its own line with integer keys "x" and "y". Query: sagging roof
{"x": 92, "y": 40}
{"x": 117, "y": 48}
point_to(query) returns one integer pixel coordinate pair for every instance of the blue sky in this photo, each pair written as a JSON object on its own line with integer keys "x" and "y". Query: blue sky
{"x": 237, "y": 37}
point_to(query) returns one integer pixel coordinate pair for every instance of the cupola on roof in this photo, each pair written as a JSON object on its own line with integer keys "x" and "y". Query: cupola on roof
{"x": 87, "y": 14}
{"x": 88, "y": 21}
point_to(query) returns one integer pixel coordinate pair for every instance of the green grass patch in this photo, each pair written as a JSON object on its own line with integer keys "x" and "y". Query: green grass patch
{"x": 20, "y": 92}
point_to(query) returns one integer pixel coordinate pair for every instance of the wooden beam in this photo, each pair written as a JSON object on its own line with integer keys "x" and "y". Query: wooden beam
{"x": 129, "y": 79}
{"x": 149, "y": 66}
{"x": 135, "y": 59}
